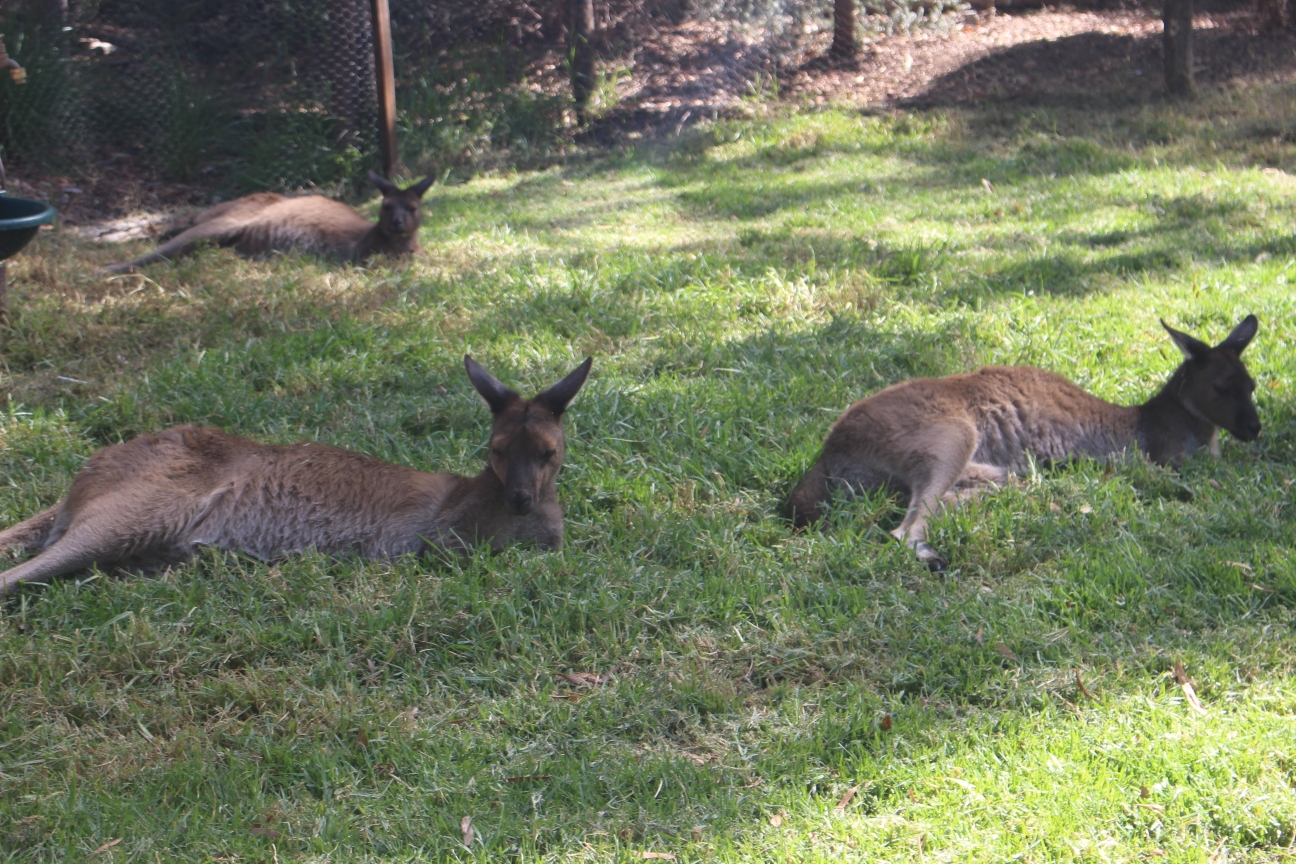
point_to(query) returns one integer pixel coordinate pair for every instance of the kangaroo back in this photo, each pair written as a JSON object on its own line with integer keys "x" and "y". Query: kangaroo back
{"x": 938, "y": 441}
{"x": 154, "y": 500}
{"x": 263, "y": 223}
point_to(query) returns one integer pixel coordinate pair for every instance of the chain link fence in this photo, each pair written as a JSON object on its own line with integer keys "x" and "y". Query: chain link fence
{"x": 239, "y": 95}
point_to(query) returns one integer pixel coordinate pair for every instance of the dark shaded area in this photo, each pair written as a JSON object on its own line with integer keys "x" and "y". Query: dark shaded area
{"x": 1093, "y": 69}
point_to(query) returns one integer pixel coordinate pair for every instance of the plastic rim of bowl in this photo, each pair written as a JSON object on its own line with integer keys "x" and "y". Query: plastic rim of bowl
{"x": 43, "y": 213}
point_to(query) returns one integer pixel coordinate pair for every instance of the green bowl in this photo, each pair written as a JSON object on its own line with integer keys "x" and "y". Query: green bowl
{"x": 20, "y": 219}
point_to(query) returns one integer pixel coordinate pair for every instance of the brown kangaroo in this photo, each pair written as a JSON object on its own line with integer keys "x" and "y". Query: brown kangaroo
{"x": 259, "y": 224}
{"x": 940, "y": 440}
{"x": 154, "y": 500}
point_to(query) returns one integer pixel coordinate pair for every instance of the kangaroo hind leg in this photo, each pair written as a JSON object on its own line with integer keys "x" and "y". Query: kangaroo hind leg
{"x": 108, "y": 531}
{"x": 935, "y": 466}
{"x": 64, "y": 556}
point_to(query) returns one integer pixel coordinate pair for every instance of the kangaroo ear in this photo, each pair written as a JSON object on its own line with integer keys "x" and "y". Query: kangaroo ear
{"x": 1193, "y": 349}
{"x": 560, "y": 395}
{"x": 497, "y": 396}
{"x": 423, "y": 185}
{"x": 384, "y": 185}
{"x": 1242, "y": 334}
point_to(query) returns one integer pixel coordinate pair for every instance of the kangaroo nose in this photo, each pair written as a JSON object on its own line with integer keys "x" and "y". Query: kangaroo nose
{"x": 521, "y": 502}
{"x": 1253, "y": 429}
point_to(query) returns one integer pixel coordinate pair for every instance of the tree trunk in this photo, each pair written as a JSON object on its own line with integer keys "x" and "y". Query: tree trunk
{"x": 580, "y": 48}
{"x": 1273, "y": 15}
{"x": 843, "y": 44}
{"x": 1177, "y": 41}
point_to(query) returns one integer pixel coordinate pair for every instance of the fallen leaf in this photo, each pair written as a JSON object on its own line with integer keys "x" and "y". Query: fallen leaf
{"x": 697, "y": 835}
{"x": 1084, "y": 690}
{"x": 1213, "y": 482}
{"x": 1262, "y": 588}
{"x": 886, "y": 723}
{"x": 1085, "y": 508}
{"x": 980, "y": 637}
{"x": 570, "y": 697}
{"x": 265, "y": 832}
{"x": 701, "y": 758}
{"x": 913, "y": 797}
{"x": 1005, "y": 651}
{"x": 661, "y": 856}
{"x": 108, "y": 845}
{"x": 1190, "y": 692}
{"x": 1155, "y": 808}
{"x": 989, "y": 187}
{"x": 1144, "y": 792}
{"x": 962, "y": 784}
{"x": 466, "y": 829}
{"x": 362, "y": 736}
{"x": 776, "y": 820}
{"x": 845, "y": 800}
{"x": 1054, "y": 507}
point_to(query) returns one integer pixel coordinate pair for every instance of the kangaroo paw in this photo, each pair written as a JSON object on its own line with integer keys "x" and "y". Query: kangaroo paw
{"x": 930, "y": 557}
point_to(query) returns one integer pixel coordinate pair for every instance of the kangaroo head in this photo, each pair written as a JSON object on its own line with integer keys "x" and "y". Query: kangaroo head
{"x": 400, "y": 214}
{"x": 527, "y": 443}
{"x": 1213, "y": 382}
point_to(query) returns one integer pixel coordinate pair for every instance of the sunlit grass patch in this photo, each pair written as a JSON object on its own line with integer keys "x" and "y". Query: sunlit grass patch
{"x": 689, "y": 676}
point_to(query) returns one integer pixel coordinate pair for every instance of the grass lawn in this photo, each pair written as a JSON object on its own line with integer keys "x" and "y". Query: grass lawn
{"x": 768, "y": 695}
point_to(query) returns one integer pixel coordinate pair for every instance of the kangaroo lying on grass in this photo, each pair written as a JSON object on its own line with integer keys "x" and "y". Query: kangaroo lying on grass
{"x": 257, "y": 225}
{"x": 944, "y": 439}
{"x": 154, "y": 500}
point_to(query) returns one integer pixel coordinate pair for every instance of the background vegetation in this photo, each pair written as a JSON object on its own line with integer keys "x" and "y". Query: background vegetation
{"x": 689, "y": 677}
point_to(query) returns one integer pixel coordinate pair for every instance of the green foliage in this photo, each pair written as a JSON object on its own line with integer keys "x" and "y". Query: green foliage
{"x": 738, "y": 288}
{"x": 294, "y": 150}
{"x": 471, "y": 110}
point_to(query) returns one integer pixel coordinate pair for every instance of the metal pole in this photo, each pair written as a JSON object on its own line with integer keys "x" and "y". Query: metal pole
{"x": 386, "y": 87}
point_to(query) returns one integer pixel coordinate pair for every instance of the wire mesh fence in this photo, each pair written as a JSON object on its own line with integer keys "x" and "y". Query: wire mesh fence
{"x": 280, "y": 94}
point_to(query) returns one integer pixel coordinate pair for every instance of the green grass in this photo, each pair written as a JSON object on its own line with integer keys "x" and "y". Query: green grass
{"x": 738, "y": 287}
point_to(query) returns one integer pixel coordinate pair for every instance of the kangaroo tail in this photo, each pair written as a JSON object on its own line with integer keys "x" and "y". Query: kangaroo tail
{"x": 30, "y": 533}
{"x": 215, "y": 230}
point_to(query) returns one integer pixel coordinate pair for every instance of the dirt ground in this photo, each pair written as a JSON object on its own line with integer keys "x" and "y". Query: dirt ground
{"x": 680, "y": 75}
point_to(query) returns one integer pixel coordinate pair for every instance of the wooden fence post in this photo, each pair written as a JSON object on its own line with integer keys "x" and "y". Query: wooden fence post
{"x": 386, "y": 76}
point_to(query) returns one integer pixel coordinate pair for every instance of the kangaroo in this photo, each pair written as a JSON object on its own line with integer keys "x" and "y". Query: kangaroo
{"x": 942, "y": 440}
{"x": 266, "y": 222}
{"x": 155, "y": 499}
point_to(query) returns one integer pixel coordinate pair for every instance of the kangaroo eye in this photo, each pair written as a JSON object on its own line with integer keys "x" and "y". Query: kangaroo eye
{"x": 547, "y": 455}
{"x": 497, "y": 451}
